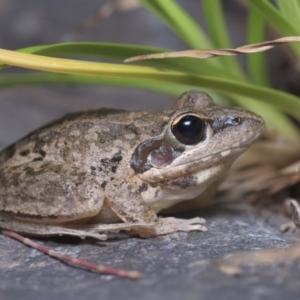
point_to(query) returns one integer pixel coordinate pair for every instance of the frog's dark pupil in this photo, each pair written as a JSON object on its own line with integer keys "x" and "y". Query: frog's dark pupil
{"x": 189, "y": 130}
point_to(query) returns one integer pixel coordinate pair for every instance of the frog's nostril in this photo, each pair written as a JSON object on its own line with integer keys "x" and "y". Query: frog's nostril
{"x": 222, "y": 123}
{"x": 235, "y": 120}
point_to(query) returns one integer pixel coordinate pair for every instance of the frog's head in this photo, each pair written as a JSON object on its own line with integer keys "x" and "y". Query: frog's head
{"x": 200, "y": 138}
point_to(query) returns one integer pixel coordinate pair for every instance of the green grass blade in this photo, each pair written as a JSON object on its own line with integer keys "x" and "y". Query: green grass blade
{"x": 113, "y": 51}
{"x": 269, "y": 113}
{"x": 179, "y": 21}
{"x": 256, "y": 62}
{"x": 275, "y": 17}
{"x": 215, "y": 20}
{"x": 122, "y": 51}
{"x": 214, "y": 15}
{"x": 283, "y": 101}
{"x": 291, "y": 10}
{"x": 41, "y": 78}
{"x": 92, "y": 50}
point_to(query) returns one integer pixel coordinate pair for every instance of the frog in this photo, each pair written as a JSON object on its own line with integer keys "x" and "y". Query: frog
{"x": 94, "y": 172}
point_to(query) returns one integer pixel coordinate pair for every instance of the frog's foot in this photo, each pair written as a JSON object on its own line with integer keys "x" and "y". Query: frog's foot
{"x": 110, "y": 228}
{"x": 295, "y": 215}
{"x": 170, "y": 225}
{"x": 295, "y": 212}
{"x": 160, "y": 227}
{"x": 288, "y": 227}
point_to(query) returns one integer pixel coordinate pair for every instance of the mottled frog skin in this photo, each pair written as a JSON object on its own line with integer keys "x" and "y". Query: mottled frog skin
{"x": 94, "y": 172}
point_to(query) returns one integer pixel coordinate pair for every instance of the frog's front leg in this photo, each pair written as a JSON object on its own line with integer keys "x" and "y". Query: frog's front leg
{"x": 125, "y": 199}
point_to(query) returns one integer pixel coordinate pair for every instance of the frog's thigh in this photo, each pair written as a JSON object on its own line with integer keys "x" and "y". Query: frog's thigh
{"x": 48, "y": 192}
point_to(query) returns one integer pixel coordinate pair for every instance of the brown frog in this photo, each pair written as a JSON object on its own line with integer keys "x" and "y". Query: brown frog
{"x": 100, "y": 171}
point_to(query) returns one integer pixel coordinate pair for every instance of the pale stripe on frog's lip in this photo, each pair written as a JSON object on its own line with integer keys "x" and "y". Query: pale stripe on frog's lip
{"x": 220, "y": 156}
{"x": 224, "y": 153}
{"x": 172, "y": 172}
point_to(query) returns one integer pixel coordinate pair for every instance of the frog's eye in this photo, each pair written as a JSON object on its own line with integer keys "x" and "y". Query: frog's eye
{"x": 189, "y": 129}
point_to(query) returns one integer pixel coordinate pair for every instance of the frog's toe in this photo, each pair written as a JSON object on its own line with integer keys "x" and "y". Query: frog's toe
{"x": 197, "y": 220}
{"x": 197, "y": 227}
{"x": 295, "y": 212}
{"x": 194, "y": 224}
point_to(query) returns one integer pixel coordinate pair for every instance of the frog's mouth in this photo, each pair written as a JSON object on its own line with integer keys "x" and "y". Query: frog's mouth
{"x": 173, "y": 171}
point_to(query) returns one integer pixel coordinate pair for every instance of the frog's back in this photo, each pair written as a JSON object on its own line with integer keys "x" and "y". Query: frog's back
{"x": 83, "y": 137}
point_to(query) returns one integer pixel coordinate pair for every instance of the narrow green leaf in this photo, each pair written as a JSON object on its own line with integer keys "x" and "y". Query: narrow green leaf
{"x": 179, "y": 21}
{"x": 123, "y": 51}
{"x": 270, "y": 13}
{"x": 38, "y": 78}
{"x": 283, "y": 101}
{"x": 214, "y": 15}
{"x": 282, "y": 125}
{"x": 290, "y": 10}
{"x": 91, "y": 50}
{"x": 274, "y": 16}
{"x": 256, "y": 62}
{"x": 215, "y": 20}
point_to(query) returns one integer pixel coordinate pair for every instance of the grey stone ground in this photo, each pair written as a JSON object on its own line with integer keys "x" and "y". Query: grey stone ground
{"x": 177, "y": 266}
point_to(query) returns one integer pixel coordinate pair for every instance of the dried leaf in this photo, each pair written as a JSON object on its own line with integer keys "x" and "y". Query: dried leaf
{"x": 263, "y": 257}
{"x": 268, "y": 168}
{"x": 295, "y": 212}
{"x": 209, "y": 53}
{"x": 230, "y": 270}
{"x": 290, "y": 255}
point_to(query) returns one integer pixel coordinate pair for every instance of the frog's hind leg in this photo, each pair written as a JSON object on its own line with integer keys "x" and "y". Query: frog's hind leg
{"x": 46, "y": 192}
{"x": 36, "y": 229}
{"x": 97, "y": 231}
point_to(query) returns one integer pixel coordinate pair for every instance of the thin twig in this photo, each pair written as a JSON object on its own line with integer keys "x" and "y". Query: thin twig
{"x": 73, "y": 260}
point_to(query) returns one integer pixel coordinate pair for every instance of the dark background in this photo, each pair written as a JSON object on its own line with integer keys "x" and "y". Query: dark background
{"x": 177, "y": 266}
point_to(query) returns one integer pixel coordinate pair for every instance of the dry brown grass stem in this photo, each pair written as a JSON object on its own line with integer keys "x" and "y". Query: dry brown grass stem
{"x": 209, "y": 53}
